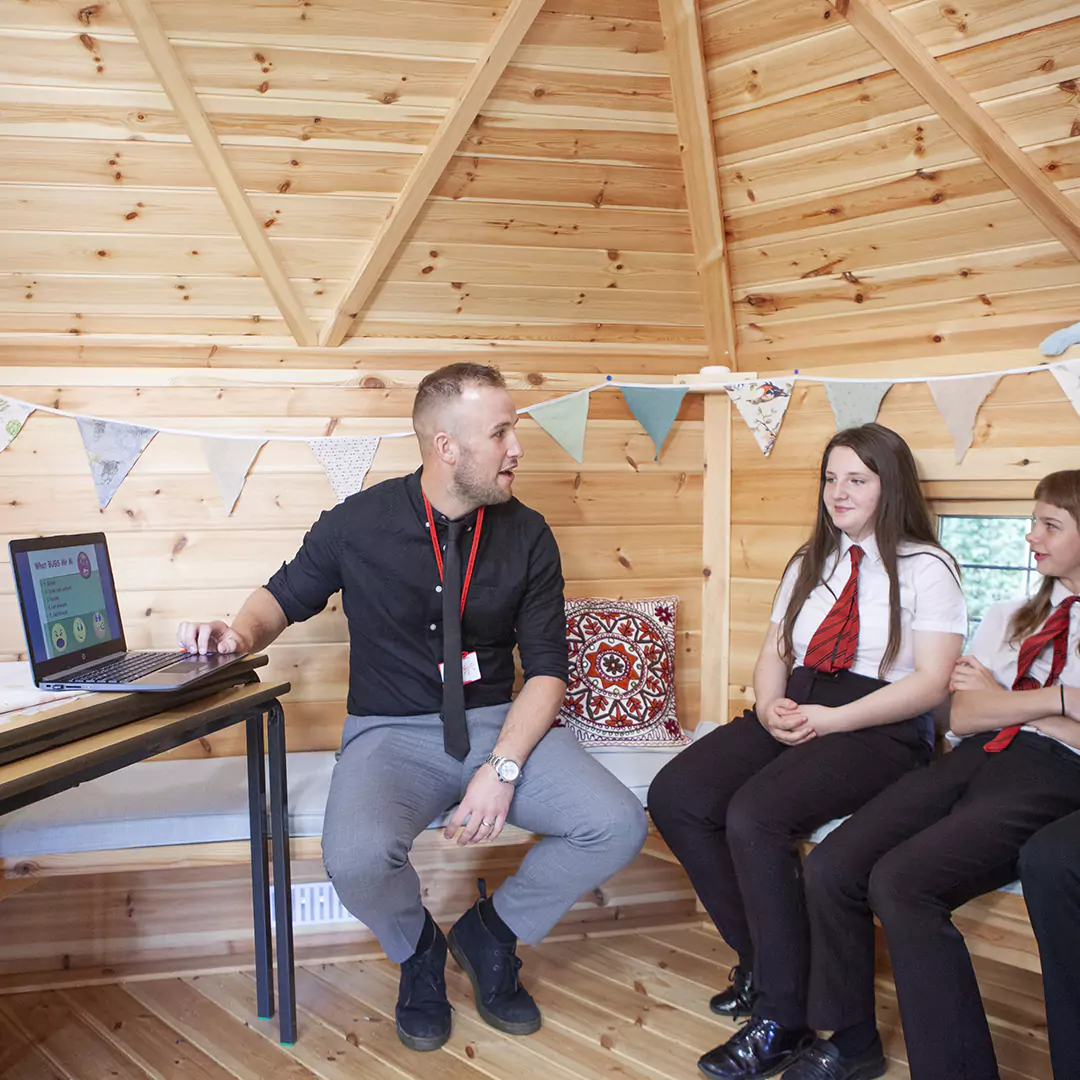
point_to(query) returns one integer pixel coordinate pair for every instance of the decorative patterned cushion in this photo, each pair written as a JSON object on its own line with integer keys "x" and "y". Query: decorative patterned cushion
{"x": 622, "y": 672}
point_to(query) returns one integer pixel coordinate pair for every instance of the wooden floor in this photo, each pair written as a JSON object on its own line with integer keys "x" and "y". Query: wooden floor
{"x": 630, "y": 1006}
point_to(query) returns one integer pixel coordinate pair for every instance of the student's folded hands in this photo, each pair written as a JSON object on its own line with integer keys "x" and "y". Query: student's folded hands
{"x": 970, "y": 674}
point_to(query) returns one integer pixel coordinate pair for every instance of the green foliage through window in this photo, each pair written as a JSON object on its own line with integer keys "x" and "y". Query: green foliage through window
{"x": 994, "y": 559}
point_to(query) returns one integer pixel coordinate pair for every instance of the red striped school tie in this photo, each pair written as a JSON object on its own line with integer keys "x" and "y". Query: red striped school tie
{"x": 1056, "y": 630}
{"x": 832, "y": 648}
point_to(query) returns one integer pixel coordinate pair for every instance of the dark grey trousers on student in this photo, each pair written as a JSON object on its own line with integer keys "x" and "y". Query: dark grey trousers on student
{"x": 934, "y": 840}
{"x": 733, "y": 806}
{"x": 393, "y": 778}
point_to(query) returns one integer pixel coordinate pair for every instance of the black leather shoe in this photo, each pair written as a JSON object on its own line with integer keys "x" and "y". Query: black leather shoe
{"x": 759, "y": 1049}
{"x": 423, "y": 1012}
{"x": 824, "y": 1062}
{"x": 492, "y": 967}
{"x": 738, "y": 999}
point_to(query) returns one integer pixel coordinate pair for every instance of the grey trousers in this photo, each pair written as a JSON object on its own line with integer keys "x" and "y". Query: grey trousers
{"x": 393, "y": 778}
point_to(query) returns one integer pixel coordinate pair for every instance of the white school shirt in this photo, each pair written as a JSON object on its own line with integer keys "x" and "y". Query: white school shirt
{"x": 931, "y": 599}
{"x": 991, "y": 647}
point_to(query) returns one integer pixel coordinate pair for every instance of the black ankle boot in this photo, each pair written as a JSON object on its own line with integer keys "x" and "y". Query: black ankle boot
{"x": 738, "y": 999}
{"x": 492, "y": 966}
{"x": 423, "y": 1012}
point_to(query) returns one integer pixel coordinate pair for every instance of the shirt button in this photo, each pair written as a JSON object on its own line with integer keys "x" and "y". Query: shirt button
{"x": 432, "y": 626}
{"x": 438, "y": 588}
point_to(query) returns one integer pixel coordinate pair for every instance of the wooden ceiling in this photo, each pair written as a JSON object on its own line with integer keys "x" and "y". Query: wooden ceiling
{"x": 798, "y": 182}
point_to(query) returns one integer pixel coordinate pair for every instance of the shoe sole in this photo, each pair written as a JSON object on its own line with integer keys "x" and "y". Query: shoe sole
{"x": 420, "y": 1042}
{"x": 507, "y": 1027}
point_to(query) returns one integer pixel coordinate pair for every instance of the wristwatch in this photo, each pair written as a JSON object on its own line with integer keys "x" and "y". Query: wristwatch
{"x": 506, "y": 770}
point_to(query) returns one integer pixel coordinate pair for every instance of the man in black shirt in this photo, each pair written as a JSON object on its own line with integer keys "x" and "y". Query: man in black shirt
{"x": 441, "y": 574}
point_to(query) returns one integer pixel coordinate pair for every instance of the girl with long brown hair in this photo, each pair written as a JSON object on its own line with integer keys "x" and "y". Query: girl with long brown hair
{"x": 867, "y": 625}
{"x": 946, "y": 834}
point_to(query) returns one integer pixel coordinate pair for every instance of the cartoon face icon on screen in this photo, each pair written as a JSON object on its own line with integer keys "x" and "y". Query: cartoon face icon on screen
{"x": 100, "y": 626}
{"x": 59, "y": 637}
{"x": 78, "y": 628}
{"x": 84, "y": 564}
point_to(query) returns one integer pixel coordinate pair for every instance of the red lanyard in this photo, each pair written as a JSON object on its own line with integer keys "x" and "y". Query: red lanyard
{"x": 472, "y": 553}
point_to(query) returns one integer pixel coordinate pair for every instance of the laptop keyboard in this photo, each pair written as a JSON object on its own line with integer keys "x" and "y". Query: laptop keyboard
{"x": 131, "y": 667}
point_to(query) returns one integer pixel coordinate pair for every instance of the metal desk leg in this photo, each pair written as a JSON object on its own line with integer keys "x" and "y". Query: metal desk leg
{"x": 260, "y": 871}
{"x": 279, "y": 834}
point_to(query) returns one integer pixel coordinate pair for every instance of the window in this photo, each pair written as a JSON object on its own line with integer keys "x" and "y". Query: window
{"x": 994, "y": 559}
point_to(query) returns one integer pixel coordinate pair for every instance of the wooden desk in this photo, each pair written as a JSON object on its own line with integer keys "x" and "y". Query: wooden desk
{"x": 172, "y": 723}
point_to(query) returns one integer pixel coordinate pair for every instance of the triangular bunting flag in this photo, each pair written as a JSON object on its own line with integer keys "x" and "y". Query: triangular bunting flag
{"x": 958, "y": 401}
{"x": 111, "y": 448}
{"x": 13, "y": 415}
{"x": 346, "y": 461}
{"x": 1068, "y": 377}
{"x": 229, "y": 461}
{"x": 855, "y": 403}
{"x": 564, "y": 420}
{"x": 1061, "y": 340}
{"x": 762, "y": 403}
{"x": 655, "y": 409}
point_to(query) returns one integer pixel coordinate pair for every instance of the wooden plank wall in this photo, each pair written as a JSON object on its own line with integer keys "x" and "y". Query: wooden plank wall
{"x": 862, "y": 230}
{"x": 562, "y": 216}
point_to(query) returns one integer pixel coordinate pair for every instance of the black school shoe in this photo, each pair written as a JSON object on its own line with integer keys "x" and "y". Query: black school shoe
{"x": 738, "y": 999}
{"x": 759, "y": 1049}
{"x": 492, "y": 967}
{"x": 824, "y": 1062}
{"x": 423, "y": 1011}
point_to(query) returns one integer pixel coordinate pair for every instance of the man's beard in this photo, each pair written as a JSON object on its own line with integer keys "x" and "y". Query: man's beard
{"x": 470, "y": 486}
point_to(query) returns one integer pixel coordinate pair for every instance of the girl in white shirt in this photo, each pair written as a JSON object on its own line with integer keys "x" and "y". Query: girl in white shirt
{"x": 866, "y": 628}
{"x": 946, "y": 834}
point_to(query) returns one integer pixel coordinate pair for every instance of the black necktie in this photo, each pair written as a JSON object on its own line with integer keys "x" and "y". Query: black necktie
{"x": 455, "y": 731}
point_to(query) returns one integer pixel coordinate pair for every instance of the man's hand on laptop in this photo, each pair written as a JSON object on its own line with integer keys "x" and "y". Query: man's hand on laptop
{"x": 211, "y": 637}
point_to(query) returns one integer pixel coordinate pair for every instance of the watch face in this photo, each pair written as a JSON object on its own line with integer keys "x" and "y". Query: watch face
{"x": 508, "y": 771}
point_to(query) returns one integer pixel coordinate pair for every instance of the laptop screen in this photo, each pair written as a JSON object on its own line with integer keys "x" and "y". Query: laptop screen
{"x": 68, "y": 600}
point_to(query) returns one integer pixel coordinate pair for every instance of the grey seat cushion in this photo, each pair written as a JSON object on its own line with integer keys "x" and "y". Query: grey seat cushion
{"x": 152, "y": 804}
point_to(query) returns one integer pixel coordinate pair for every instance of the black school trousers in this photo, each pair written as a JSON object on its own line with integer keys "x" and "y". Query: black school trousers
{"x": 1050, "y": 873}
{"x": 934, "y": 840}
{"x": 734, "y": 805}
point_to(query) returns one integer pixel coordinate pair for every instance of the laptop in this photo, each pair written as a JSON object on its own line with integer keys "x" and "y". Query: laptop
{"x": 71, "y": 617}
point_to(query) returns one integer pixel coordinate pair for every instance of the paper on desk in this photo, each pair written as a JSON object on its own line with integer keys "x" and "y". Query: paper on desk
{"x": 18, "y": 692}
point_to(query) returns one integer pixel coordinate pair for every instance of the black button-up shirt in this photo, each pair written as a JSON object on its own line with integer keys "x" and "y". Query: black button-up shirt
{"x": 376, "y": 548}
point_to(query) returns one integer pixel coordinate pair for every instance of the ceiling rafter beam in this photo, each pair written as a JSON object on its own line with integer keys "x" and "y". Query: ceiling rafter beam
{"x": 513, "y": 26}
{"x": 947, "y": 97}
{"x": 163, "y": 59}
{"x": 697, "y": 150}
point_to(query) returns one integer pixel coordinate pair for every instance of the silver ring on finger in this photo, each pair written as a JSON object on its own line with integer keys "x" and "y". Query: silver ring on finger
{"x": 488, "y": 824}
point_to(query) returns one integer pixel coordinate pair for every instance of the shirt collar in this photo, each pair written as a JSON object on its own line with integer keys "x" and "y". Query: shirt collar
{"x": 869, "y": 546}
{"x": 1058, "y": 593}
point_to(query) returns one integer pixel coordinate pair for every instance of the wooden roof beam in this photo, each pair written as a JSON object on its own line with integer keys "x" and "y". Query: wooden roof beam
{"x": 690, "y": 90}
{"x": 963, "y": 114}
{"x": 163, "y": 59}
{"x": 455, "y": 125}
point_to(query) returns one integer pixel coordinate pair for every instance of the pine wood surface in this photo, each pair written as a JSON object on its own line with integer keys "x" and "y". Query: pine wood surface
{"x": 614, "y": 1004}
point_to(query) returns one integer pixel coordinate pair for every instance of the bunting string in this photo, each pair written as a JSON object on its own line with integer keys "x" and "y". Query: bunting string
{"x": 113, "y": 446}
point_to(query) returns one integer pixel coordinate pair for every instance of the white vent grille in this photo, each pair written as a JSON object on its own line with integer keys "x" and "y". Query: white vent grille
{"x": 315, "y": 903}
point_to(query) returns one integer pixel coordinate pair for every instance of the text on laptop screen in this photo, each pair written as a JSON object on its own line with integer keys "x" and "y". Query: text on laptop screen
{"x": 73, "y": 599}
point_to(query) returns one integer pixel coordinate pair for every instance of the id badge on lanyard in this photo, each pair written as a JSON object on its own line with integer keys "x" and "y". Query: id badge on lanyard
{"x": 470, "y": 663}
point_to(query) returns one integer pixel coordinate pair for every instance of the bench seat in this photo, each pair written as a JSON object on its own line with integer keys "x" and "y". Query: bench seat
{"x": 202, "y": 801}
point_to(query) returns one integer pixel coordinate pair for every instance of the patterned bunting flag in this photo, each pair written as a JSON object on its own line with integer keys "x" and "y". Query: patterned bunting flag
{"x": 1068, "y": 377}
{"x": 762, "y": 403}
{"x": 13, "y": 415}
{"x": 229, "y": 461}
{"x": 564, "y": 420}
{"x": 655, "y": 409}
{"x": 855, "y": 403}
{"x": 958, "y": 401}
{"x": 345, "y": 460}
{"x": 111, "y": 448}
